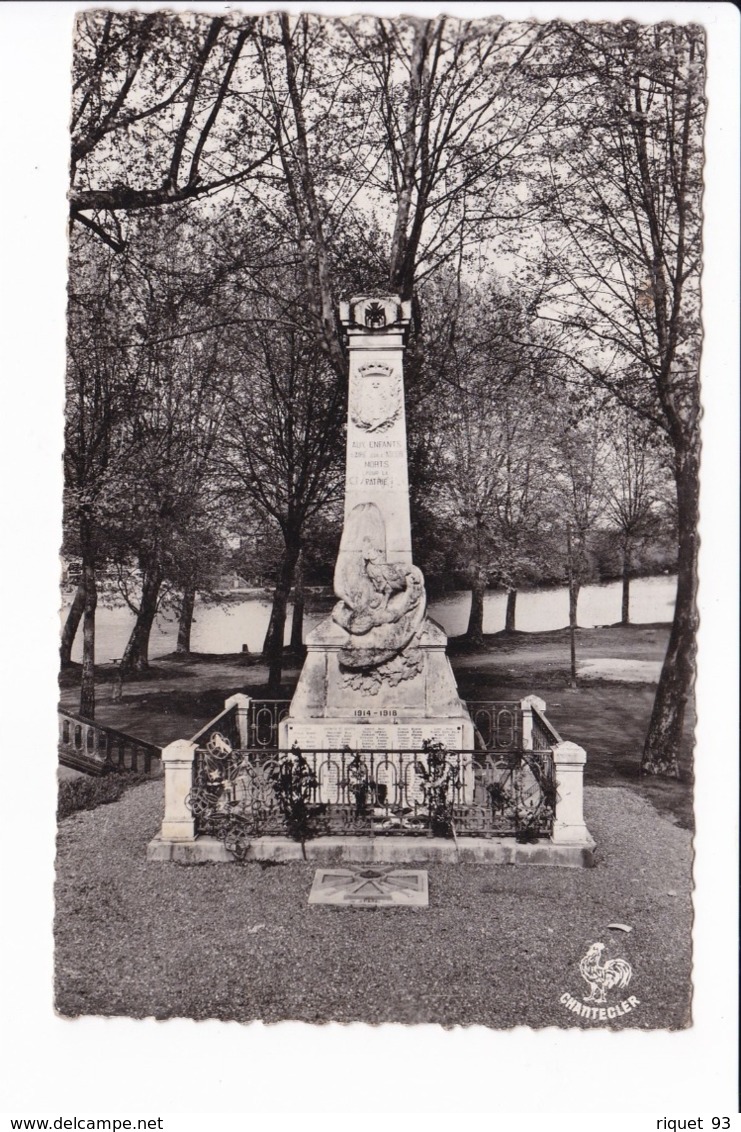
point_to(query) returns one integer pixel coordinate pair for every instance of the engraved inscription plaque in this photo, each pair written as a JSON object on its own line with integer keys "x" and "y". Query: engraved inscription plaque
{"x": 375, "y": 736}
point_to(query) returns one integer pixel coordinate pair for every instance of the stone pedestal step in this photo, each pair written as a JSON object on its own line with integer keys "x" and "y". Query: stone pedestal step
{"x": 389, "y": 850}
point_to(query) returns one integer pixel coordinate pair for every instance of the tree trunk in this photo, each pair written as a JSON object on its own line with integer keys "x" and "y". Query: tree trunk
{"x": 573, "y": 603}
{"x": 69, "y": 632}
{"x": 272, "y": 649}
{"x": 475, "y": 630}
{"x": 627, "y": 566}
{"x": 509, "y": 616}
{"x": 574, "y": 590}
{"x": 185, "y": 623}
{"x": 404, "y": 244}
{"x": 574, "y": 587}
{"x": 136, "y": 656}
{"x": 87, "y": 682}
{"x": 315, "y": 252}
{"x": 661, "y": 749}
{"x": 297, "y": 621}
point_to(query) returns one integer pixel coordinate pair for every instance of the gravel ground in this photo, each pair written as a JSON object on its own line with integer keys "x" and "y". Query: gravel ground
{"x": 497, "y": 946}
{"x": 620, "y": 668}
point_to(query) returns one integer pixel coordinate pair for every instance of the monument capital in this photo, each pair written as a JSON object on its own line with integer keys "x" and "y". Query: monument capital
{"x": 375, "y": 313}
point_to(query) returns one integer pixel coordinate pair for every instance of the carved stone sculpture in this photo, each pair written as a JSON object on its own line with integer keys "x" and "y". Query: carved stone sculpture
{"x": 382, "y": 604}
{"x": 378, "y": 399}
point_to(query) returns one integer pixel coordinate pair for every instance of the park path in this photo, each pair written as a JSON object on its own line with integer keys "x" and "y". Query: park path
{"x": 181, "y": 695}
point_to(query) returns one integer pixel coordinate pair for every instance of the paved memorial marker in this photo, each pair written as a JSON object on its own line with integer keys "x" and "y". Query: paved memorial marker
{"x": 371, "y": 887}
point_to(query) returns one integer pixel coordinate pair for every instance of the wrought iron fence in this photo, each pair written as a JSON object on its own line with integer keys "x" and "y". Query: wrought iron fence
{"x": 240, "y": 794}
{"x": 263, "y": 721}
{"x": 498, "y": 723}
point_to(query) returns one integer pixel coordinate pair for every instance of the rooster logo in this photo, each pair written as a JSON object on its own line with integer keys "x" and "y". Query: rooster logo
{"x": 602, "y": 977}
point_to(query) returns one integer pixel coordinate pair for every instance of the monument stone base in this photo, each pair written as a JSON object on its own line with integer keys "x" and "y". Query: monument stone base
{"x": 335, "y": 708}
{"x": 415, "y": 700}
{"x": 387, "y": 850}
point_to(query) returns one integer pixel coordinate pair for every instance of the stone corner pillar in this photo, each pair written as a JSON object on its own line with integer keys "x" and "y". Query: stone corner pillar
{"x": 242, "y": 702}
{"x": 568, "y": 827}
{"x": 178, "y": 823}
{"x": 526, "y": 708}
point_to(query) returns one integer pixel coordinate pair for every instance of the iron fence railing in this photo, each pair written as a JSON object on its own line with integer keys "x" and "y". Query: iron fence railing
{"x": 239, "y": 794}
{"x": 263, "y": 720}
{"x": 498, "y": 723}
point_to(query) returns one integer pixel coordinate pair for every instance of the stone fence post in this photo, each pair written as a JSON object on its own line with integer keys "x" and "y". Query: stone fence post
{"x": 526, "y": 707}
{"x": 242, "y": 702}
{"x": 177, "y": 759}
{"x": 568, "y": 826}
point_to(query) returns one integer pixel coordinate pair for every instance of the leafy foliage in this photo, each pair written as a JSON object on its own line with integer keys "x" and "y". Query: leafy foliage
{"x": 87, "y": 792}
{"x": 441, "y": 778}
{"x": 294, "y": 782}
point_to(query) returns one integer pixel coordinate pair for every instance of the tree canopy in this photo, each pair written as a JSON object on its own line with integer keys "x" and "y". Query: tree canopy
{"x": 533, "y": 188}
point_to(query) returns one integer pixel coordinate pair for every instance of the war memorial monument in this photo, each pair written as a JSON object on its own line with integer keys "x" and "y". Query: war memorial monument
{"x": 376, "y": 758}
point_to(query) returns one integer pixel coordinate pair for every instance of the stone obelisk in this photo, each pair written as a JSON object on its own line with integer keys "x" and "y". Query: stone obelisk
{"x": 376, "y": 676}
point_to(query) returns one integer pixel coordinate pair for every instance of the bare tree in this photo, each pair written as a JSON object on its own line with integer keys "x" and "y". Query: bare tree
{"x": 169, "y": 519}
{"x": 494, "y": 458}
{"x": 579, "y": 493}
{"x": 451, "y": 107}
{"x": 635, "y": 488}
{"x": 281, "y": 442}
{"x": 155, "y": 118}
{"x": 101, "y": 391}
{"x": 621, "y": 263}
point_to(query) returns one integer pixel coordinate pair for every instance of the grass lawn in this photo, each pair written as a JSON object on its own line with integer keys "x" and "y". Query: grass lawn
{"x": 608, "y": 718}
{"x": 498, "y": 945}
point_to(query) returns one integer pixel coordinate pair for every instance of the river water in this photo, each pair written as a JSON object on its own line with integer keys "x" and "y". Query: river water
{"x": 225, "y": 628}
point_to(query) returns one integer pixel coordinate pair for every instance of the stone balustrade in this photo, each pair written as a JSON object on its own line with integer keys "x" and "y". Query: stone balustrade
{"x": 94, "y": 749}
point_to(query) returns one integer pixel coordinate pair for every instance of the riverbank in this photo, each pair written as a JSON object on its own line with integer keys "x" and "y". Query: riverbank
{"x": 607, "y": 714}
{"x": 241, "y": 619}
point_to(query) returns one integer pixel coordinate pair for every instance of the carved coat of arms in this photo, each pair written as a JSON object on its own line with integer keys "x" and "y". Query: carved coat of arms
{"x": 377, "y": 398}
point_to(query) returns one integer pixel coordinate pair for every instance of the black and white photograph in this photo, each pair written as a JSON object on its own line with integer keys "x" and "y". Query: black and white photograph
{"x": 387, "y": 370}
